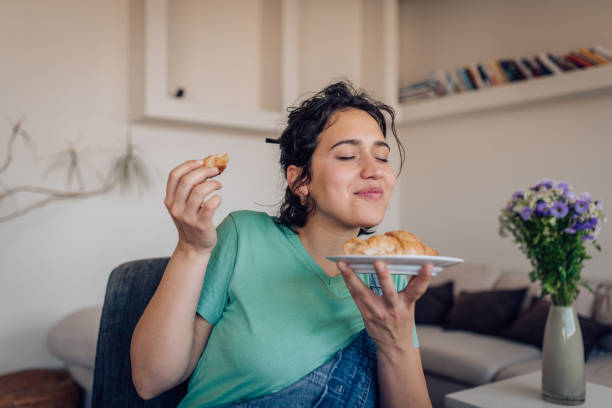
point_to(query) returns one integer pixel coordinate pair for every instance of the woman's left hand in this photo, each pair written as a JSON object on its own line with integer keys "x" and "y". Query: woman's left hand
{"x": 389, "y": 318}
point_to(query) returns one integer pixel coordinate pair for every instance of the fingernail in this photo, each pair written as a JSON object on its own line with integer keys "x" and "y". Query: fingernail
{"x": 341, "y": 266}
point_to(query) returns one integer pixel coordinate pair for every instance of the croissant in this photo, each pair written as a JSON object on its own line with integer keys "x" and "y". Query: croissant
{"x": 219, "y": 161}
{"x": 392, "y": 243}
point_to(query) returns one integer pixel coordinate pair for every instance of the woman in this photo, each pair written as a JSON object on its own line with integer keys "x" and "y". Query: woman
{"x": 253, "y": 311}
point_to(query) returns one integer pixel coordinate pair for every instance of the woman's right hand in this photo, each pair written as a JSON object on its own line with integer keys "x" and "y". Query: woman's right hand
{"x": 188, "y": 186}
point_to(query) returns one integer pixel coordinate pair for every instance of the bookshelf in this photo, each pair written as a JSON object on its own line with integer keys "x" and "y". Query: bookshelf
{"x": 447, "y": 35}
{"x": 573, "y": 83}
{"x": 273, "y": 56}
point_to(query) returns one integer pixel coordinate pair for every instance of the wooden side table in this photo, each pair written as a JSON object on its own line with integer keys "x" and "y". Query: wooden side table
{"x": 40, "y": 389}
{"x": 524, "y": 391}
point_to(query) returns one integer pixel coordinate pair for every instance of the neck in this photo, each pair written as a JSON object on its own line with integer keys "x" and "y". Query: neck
{"x": 323, "y": 239}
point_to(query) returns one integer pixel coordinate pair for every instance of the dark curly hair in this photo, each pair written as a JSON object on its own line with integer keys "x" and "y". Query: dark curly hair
{"x": 301, "y": 137}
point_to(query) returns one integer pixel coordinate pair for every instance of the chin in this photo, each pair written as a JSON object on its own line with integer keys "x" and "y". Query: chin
{"x": 369, "y": 222}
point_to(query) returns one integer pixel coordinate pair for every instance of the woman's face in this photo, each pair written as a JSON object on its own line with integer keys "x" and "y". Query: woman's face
{"x": 351, "y": 180}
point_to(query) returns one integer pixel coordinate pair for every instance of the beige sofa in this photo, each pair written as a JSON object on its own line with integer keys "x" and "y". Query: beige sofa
{"x": 452, "y": 360}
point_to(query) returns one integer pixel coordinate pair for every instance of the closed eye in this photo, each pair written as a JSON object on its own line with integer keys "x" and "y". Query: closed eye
{"x": 346, "y": 157}
{"x": 382, "y": 159}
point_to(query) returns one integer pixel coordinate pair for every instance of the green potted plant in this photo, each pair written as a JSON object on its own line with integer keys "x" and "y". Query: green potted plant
{"x": 552, "y": 226}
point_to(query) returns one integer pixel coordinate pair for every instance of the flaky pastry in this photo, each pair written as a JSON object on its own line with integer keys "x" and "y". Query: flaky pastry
{"x": 392, "y": 243}
{"x": 216, "y": 160}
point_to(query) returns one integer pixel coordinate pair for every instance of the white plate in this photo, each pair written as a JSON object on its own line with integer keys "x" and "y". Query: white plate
{"x": 397, "y": 264}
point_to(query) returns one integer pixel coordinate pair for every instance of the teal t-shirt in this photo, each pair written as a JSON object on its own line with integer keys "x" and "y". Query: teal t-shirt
{"x": 276, "y": 314}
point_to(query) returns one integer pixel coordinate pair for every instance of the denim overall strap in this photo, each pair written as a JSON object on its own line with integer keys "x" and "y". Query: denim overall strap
{"x": 375, "y": 284}
{"x": 352, "y": 381}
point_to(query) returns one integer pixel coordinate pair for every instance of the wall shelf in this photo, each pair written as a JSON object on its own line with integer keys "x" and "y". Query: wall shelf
{"x": 535, "y": 89}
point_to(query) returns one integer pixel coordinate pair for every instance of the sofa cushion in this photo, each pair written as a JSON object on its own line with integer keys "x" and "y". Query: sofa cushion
{"x": 603, "y": 303}
{"x": 530, "y": 325}
{"x": 468, "y": 277}
{"x": 433, "y": 306}
{"x": 518, "y": 280}
{"x": 485, "y": 312}
{"x": 74, "y": 338}
{"x": 468, "y": 358}
{"x": 520, "y": 368}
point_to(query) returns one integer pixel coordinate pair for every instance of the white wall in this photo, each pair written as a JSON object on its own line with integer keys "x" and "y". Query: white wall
{"x": 462, "y": 171}
{"x": 65, "y": 67}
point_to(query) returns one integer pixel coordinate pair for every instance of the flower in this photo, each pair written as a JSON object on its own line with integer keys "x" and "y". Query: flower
{"x": 551, "y": 225}
{"x": 559, "y": 210}
{"x": 581, "y": 206}
{"x": 526, "y": 213}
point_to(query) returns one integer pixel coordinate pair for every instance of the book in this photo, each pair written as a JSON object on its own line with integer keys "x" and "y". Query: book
{"x": 584, "y": 58}
{"x": 533, "y": 68}
{"x": 578, "y": 61}
{"x": 604, "y": 52}
{"x": 572, "y": 63}
{"x": 465, "y": 79}
{"x": 471, "y": 77}
{"x": 459, "y": 85}
{"x": 545, "y": 70}
{"x": 592, "y": 56}
{"x": 493, "y": 75}
{"x": 560, "y": 63}
{"x": 501, "y": 73}
{"x": 476, "y": 76}
{"x": 483, "y": 75}
{"x": 511, "y": 69}
{"x": 548, "y": 63}
{"x": 526, "y": 72}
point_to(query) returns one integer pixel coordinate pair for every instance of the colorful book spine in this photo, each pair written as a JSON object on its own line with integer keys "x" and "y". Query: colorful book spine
{"x": 535, "y": 71}
{"x": 604, "y": 52}
{"x": 560, "y": 63}
{"x": 483, "y": 75}
{"x": 579, "y": 62}
{"x": 548, "y": 63}
{"x": 471, "y": 77}
{"x": 501, "y": 73}
{"x": 476, "y": 75}
{"x": 592, "y": 56}
{"x": 545, "y": 70}
{"x": 465, "y": 79}
{"x": 584, "y": 58}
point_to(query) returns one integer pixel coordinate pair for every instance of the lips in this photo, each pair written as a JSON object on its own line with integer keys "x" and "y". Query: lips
{"x": 370, "y": 193}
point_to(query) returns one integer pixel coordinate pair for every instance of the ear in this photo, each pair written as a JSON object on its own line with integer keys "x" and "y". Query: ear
{"x": 293, "y": 172}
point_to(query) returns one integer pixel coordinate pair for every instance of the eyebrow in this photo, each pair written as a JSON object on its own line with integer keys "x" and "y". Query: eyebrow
{"x": 356, "y": 142}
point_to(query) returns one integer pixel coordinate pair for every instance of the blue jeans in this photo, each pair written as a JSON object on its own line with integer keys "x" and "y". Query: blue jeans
{"x": 348, "y": 380}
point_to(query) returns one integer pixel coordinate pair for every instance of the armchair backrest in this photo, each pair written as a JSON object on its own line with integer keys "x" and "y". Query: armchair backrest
{"x": 129, "y": 289}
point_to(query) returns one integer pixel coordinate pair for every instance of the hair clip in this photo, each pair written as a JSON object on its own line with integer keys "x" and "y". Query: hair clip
{"x": 275, "y": 141}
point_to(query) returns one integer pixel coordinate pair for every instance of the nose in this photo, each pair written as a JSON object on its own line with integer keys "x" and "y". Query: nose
{"x": 371, "y": 168}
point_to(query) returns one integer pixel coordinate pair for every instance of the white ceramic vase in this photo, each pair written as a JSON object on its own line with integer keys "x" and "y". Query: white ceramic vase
{"x": 563, "y": 358}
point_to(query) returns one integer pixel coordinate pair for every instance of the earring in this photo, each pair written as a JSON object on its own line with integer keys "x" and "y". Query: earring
{"x": 303, "y": 200}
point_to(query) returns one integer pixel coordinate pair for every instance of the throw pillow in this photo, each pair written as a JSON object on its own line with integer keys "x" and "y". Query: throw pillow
{"x": 530, "y": 325}
{"x": 434, "y": 305}
{"x": 485, "y": 312}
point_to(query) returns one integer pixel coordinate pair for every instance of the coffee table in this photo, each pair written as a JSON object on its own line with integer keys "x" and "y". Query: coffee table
{"x": 521, "y": 392}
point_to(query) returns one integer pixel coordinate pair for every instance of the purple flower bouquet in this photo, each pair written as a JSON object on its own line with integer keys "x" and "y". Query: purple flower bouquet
{"x": 551, "y": 225}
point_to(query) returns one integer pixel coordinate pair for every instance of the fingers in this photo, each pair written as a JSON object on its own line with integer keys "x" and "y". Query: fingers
{"x": 184, "y": 174}
{"x": 198, "y": 193}
{"x": 417, "y": 284}
{"x": 386, "y": 283}
{"x": 359, "y": 290}
{"x": 175, "y": 177}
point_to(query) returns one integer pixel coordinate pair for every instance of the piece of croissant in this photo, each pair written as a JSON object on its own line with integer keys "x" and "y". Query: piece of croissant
{"x": 217, "y": 160}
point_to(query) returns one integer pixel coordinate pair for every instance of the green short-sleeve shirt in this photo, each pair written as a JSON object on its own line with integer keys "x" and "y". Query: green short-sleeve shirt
{"x": 276, "y": 314}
